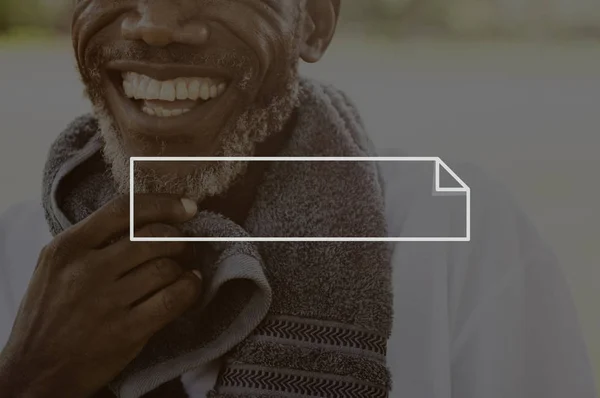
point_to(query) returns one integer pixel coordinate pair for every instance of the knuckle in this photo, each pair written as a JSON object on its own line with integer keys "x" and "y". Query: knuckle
{"x": 71, "y": 282}
{"x": 169, "y": 302}
{"x": 179, "y": 296}
{"x": 89, "y": 262}
{"x": 176, "y": 247}
{"x": 152, "y": 250}
{"x": 166, "y": 269}
{"x": 158, "y": 206}
{"x": 163, "y": 205}
{"x": 119, "y": 331}
{"x": 189, "y": 288}
{"x": 104, "y": 304}
{"x": 152, "y": 205}
{"x": 57, "y": 251}
{"x": 161, "y": 231}
{"x": 146, "y": 249}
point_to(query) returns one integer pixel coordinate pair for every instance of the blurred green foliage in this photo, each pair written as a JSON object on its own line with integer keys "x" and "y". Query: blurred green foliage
{"x": 48, "y": 15}
{"x": 397, "y": 17}
{"x": 4, "y": 15}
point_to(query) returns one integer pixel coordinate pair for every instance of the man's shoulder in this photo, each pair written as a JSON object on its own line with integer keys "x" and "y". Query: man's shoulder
{"x": 503, "y": 238}
{"x": 418, "y": 197}
{"x": 410, "y": 188}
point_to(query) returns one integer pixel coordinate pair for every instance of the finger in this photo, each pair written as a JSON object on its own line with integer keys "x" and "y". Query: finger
{"x": 146, "y": 279}
{"x": 113, "y": 219}
{"x": 125, "y": 255}
{"x": 167, "y": 304}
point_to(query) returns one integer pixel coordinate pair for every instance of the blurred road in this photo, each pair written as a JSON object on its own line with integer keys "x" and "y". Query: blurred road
{"x": 526, "y": 113}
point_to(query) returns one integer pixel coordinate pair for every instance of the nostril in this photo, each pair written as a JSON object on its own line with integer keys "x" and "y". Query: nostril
{"x": 156, "y": 36}
{"x": 160, "y": 32}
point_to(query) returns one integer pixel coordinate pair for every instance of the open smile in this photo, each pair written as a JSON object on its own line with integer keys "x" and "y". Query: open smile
{"x": 165, "y": 98}
{"x": 171, "y": 97}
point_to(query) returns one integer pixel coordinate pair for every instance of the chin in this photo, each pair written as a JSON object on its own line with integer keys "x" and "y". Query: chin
{"x": 195, "y": 180}
{"x": 189, "y": 145}
{"x": 223, "y": 126}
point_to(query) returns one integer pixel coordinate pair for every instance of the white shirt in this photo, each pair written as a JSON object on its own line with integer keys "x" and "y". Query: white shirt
{"x": 492, "y": 318}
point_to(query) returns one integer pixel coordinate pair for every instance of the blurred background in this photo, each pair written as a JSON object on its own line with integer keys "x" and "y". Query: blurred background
{"x": 512, "y": 86}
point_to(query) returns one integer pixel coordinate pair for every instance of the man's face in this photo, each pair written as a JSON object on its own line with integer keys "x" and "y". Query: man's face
{"x": 188, "y": 78}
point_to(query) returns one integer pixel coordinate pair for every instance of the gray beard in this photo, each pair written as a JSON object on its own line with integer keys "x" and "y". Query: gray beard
{"x": 238, "y": 138}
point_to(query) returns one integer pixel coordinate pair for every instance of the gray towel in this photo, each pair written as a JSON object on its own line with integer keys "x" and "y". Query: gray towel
{"x": 291, "y": 319}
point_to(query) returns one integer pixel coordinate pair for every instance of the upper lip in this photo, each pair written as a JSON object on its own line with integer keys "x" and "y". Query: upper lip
{"x": 164, "y": 72}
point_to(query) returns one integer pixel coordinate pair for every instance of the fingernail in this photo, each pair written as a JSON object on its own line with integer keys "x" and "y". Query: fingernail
{"x": 198, "y": 274}
{"x": 189, "y": 206}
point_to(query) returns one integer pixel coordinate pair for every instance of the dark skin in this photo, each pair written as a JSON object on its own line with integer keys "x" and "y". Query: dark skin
{"x": 92, "y": 304}
{"x": 228, "y": 38}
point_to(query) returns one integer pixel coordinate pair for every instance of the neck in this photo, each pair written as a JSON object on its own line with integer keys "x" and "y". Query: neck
{"x": 235, "y": 204}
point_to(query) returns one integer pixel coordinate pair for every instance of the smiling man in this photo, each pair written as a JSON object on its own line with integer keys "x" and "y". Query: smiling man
{"x": 215, "y": 84}
{"x": 102, "y": 315}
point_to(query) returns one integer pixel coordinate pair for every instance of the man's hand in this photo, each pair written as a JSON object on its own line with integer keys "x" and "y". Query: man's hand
{"x": 95, "y": 299}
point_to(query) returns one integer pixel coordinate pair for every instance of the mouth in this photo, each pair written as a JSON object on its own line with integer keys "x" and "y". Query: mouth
{"x": 165, "y": 99}
{"x": 170, "y": 98}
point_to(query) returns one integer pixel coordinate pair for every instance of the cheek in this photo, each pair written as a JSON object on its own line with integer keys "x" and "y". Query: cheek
{"x": 266, "y": 29}
{"x": 92, "y": 21}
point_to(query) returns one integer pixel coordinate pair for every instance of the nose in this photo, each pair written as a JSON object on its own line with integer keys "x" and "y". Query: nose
{"x": 159, "y": 24}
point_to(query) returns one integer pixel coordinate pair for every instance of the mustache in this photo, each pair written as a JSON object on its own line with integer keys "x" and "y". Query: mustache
{"x": 235, "y": 61}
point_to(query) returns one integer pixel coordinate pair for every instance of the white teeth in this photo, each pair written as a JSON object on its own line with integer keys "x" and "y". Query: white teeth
{"x": 153, "y": 90}
{"x": 149, "y": 111}
{"x": 141, "y": 87}
{"x": 205, "y": 90}
{"x": 182, "y": 89}
{"x": 194, "y": 89}
{"x": 167, "y": 91}
{"x": 128, "y": 87}
{"x": 162, "y": 112}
